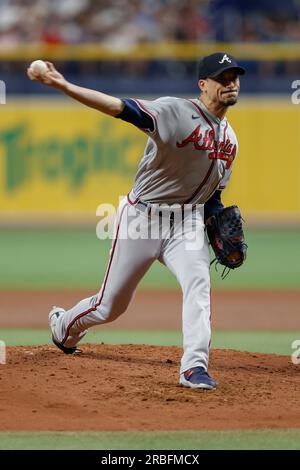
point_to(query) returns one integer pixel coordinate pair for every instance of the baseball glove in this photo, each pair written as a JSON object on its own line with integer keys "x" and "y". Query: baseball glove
{"x": 226, "y": 237}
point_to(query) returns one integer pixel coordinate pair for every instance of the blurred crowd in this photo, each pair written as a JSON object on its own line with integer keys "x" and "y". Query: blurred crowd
{"x": 127, "y": 22}
{"x": 121, "y": 24}
{"x": 116, "y": 22}
{"x": 258, "y": 20}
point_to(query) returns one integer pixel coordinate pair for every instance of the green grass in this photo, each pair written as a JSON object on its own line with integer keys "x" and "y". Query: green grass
{"x": 41, "y": 259}
{"x": 276, "y": 342}
{"x": 288, "y": 439}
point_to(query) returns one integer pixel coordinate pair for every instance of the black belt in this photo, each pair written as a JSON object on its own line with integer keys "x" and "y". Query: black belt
{"x": 147, "y": 207}
{"x": 142, "y": 206}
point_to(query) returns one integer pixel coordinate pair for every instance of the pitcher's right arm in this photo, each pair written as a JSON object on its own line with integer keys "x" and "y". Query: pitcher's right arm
{"x": 94, "y": 99}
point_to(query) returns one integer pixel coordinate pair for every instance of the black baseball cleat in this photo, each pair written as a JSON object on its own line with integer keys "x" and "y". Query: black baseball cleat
{"x": 73, "y": 350}
{"x": 70, "y": 345}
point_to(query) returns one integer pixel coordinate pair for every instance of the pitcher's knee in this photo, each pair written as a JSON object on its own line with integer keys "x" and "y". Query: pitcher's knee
{"x": 111, "y": 308}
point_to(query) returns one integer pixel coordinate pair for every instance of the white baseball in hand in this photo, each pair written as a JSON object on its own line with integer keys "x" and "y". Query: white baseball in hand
{"x": 36, "y": 69}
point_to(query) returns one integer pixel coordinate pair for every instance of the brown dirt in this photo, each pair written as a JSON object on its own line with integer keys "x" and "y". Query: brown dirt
{"x": 136, "y": 387}
{"x": 269, "y": 309}
{"x": 133, "y": 387}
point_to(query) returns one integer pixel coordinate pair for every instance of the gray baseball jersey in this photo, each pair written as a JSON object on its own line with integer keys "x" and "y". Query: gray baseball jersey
{"x": 189, "y": 154}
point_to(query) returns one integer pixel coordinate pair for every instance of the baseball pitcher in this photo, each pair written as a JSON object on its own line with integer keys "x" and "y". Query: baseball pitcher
{"x": 186, "y": 164}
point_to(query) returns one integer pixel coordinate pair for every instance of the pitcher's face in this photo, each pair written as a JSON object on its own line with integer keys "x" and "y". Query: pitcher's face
{"x": 222, "y": 90}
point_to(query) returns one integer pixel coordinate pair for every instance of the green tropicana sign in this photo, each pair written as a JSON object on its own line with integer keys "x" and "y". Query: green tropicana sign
{"x": 74, "y": 160}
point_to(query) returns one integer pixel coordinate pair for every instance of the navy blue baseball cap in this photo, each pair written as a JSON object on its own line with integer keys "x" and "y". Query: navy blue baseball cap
{"x": 213, "y": 65}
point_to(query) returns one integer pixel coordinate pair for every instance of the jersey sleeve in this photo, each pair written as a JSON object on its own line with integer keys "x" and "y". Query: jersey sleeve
{"x": 225, "y": 180}
{"x": 156, "y": 118}
{"x": 137, "y": 116}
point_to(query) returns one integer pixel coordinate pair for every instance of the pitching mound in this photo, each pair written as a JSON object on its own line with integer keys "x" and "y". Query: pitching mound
{"x": 128, "y": 387}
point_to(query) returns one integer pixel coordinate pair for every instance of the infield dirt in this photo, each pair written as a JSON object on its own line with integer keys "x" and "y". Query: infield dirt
{"x": 159, "y": 310}
{"x": 135, "y": 387}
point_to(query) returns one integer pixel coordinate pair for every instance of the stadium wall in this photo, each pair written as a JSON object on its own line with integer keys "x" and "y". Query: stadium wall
{"x": 60, "y": 160}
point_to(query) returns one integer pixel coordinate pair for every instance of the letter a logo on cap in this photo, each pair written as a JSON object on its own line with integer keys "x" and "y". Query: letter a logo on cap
{"x": 225, "y": 57}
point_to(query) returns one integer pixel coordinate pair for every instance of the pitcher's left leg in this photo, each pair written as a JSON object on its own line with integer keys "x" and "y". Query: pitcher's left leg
{"x": 190, "y": 262}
